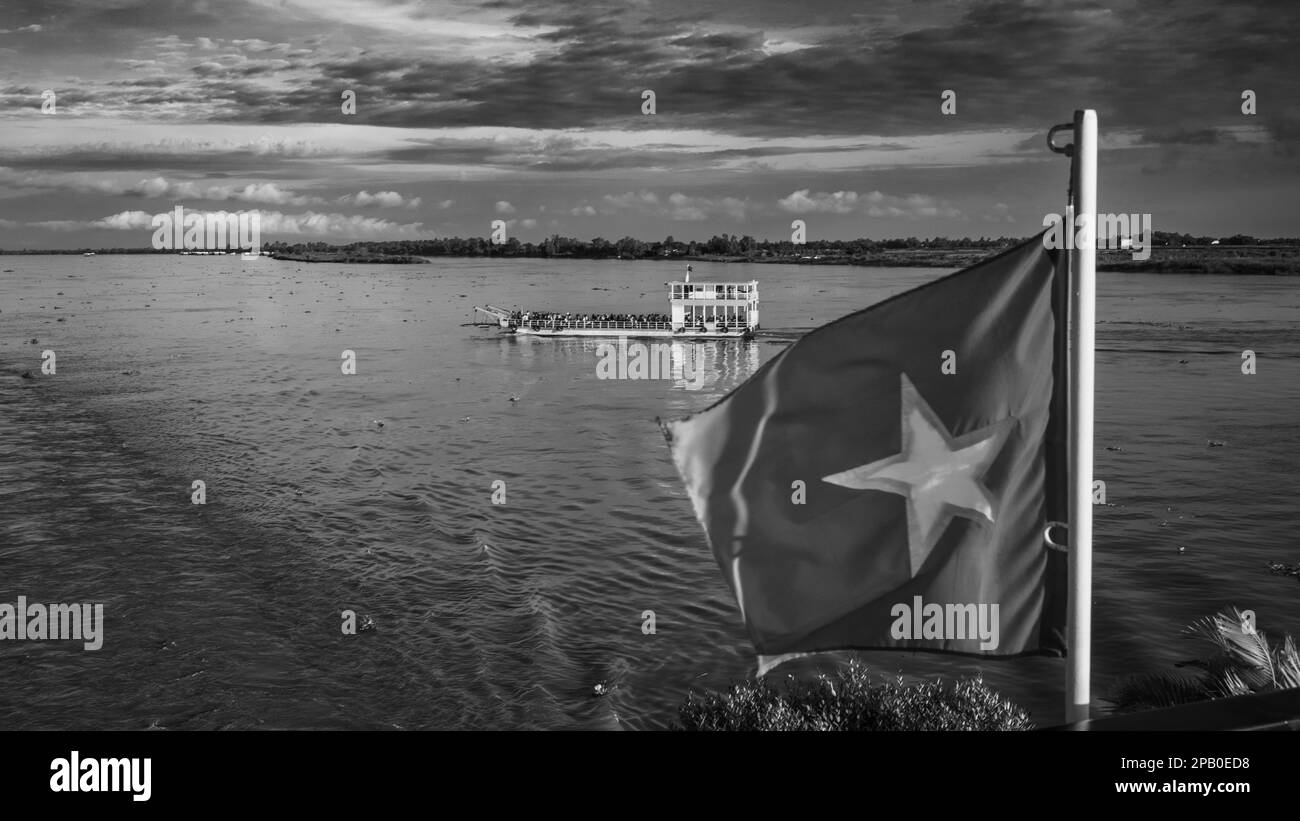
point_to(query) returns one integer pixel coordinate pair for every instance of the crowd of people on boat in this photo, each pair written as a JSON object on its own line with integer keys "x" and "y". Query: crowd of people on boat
{"x": 571, "y": 320}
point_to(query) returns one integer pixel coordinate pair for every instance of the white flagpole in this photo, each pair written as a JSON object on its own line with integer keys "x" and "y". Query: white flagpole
{"x": 1083, "y": 317}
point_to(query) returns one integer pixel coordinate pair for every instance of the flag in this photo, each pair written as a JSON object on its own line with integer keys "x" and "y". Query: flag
{"x": 886, "y": 480}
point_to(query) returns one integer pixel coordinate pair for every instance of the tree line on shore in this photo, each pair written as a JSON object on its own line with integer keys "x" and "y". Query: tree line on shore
{"x": 720, "y": 245}
{"x": 723, "y": 245}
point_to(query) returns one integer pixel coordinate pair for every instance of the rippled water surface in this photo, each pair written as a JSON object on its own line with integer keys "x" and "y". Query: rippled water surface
{"x": 373, "y": 492}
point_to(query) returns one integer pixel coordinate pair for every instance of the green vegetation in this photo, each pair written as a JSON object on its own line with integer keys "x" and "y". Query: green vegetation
{"x": 1169, "y": 252}
{"x": 1243, "y": 662}
{"x": 730, "y": 247}
{"x": 1258, "y": 260}
{"x": 349, "y": 257}
{"x": 726, "y": 247}
{"x": 848, "y": 700}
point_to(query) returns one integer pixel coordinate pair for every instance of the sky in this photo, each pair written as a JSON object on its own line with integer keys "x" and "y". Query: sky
{"x": 534, "y": 113}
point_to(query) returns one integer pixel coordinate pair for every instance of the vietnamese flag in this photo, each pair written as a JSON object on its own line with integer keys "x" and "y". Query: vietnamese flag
{"x": 885, "y": 481}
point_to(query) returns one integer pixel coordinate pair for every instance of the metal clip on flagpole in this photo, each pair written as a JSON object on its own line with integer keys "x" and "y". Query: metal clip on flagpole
{"x": 1081, "y": 210}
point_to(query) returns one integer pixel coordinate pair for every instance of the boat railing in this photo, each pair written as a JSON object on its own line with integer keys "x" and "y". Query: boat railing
{"x": 597, "y": 325}
{"x": 718, "y": 295}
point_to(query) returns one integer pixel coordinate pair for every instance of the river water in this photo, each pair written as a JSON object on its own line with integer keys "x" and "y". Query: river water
{"x": 373, "y": 492}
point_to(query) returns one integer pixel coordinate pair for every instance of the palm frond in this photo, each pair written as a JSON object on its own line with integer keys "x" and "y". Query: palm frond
{"x": 1229, "y": 683}
{"x": 1248, "y": 653}
{"x": 1150, "y": 691}
{"x": 1288, "y": 664}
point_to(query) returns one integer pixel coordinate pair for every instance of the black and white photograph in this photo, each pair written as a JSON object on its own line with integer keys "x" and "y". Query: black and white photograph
{"x": 737, "y": 366}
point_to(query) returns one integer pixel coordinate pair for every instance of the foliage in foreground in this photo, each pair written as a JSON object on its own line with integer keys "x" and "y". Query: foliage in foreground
{"x": 1244, "y": 662}
{"x": 848, "y": 700}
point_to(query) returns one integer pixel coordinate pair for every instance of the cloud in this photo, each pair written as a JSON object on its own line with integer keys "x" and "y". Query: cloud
{"x": 503, "y": 207}
{"x": 32, "y": 28}
{"x": 754, "y": 99}
{"x": 1186, "y": 136}
{"x": 160, "y": 188}
{"x": 271, "y": 223}
{"x": 683, "y": 207}
{"x": 801, "y": 202}
{"x": 266, "y": 193}
{"x": 731, "y": 68}
{"x": 157, "y": 187}
{"x": 632, "y": 199}
{"x": 339, "y": 225}
{"x": 873, "y": 204}
{"x": 61, "y": 225}
{"x": 676, "y": 206}
{"x": 383, "y": 199}
{"x": 125, "y": 221}
{"x": 1000, "y": 212}
{"x": 180, "y": 152}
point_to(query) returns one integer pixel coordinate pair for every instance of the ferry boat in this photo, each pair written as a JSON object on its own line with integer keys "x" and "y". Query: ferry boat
{"x": 696, "y": 310}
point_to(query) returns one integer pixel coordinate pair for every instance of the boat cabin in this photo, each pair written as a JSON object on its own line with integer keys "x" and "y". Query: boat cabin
{"x": 713, "y": 306}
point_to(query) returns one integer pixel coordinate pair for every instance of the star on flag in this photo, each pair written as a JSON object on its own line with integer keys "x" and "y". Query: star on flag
{"x": 938, "y": 473}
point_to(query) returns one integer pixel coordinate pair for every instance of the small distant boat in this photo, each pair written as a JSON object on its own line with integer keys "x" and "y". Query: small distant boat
{"x": 697, "y": 310}
{"x": 88, "y": 254}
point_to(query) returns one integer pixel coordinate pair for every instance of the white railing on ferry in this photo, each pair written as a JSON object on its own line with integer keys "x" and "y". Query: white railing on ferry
{"x": 599, "y": 326}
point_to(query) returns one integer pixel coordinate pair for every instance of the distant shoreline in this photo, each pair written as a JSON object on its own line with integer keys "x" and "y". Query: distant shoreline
{"x": 1257, "y": 260}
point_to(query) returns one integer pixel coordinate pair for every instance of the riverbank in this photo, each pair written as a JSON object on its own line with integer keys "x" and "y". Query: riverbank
{"x": 1257, "y": 260}
{"x": 1281, "y": 260}
{"x": 351, "y": 258}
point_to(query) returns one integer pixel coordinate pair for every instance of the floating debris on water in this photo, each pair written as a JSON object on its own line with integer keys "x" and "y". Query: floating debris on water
{"x": 1281, "y": 569}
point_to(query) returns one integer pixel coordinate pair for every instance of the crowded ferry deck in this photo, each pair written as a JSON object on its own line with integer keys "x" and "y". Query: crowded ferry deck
{"x": 696, "y": 310}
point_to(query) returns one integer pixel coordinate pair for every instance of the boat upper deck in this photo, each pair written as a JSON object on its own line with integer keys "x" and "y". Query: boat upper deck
{"x": 736, "y": 292}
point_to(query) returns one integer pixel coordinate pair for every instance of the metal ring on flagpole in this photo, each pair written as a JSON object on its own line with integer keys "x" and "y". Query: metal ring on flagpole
{"x": 1068, "y": 148}
{"x": 1047, "y": 535}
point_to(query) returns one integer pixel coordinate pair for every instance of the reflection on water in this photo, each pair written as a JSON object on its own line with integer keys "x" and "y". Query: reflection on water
{"x": 373, "y": 492}
{"x": 725, "y": 361}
